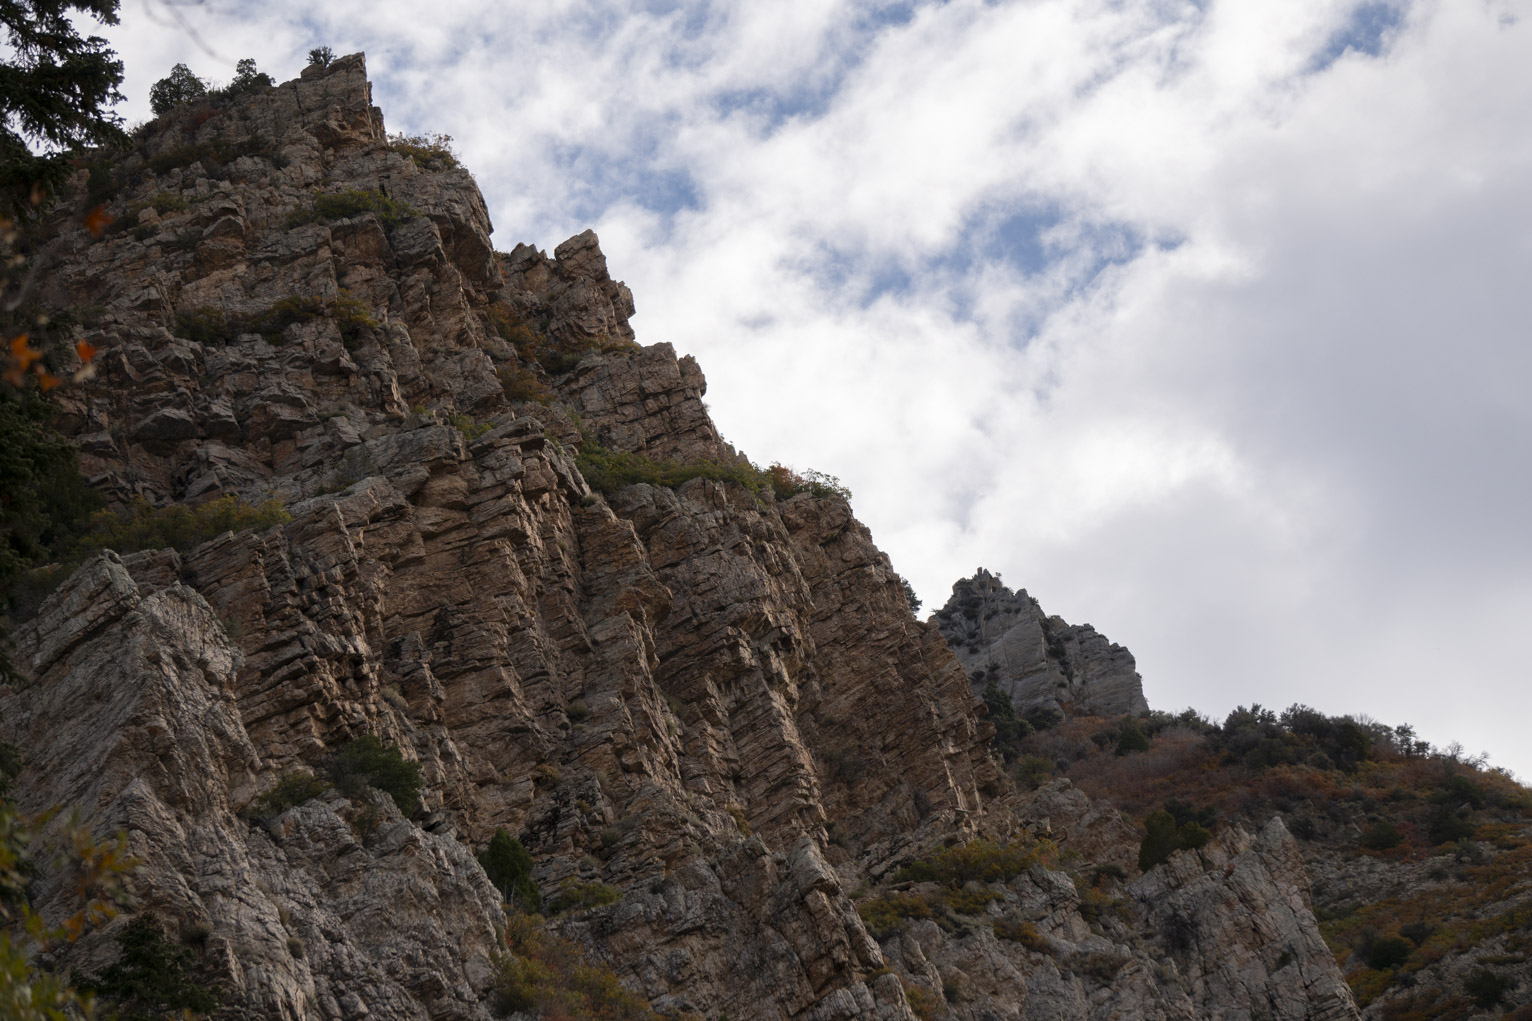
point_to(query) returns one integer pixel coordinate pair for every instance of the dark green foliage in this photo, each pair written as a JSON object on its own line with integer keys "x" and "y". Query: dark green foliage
{"x": 342, "y": 205}
{"x": 576, "y": 896}
{"x": 1184, "y": 813}
{"x": 321, "y": 56}
{"x": 1131, "y": 737}
{"x": 292, "y": 790}
{"x": 1384, "y": 953}
{"x": 429, "y": 152}
{"x": 909, "y": 595}
{"x": 1009, "y": 730}
{"x": 1448, "y": 825}
{"x": 43, "y": 499}
{"x": 1381, "y": 836}
{"x": 1260, "y": 739}
{"x": 55, "y": 91}
{"x": 180, "y": 86}
{"x": 609, "y": 470}
{"x": 509, "y": 867}
{"x": 141, "y": 526}
{"x": 248, "y": 79}
{"x": 152, "y": 977}
{"x": 1165, "y": 836}
{"x": 208, "y": 325}
{"x": 1458, "y": 790}
{"x": 884, "y": 915}
{"x": 368, "y": 762}
{"x": 1043, "y": 717}
{"x": 10, "y": 766}
{"x": 979, "y": 861}
{"x": 1031, "y": 771}
{"x": 1485, "y": 987}
{"x": 214, "y": 154}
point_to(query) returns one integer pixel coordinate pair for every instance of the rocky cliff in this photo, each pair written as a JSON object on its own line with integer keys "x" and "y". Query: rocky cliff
{"x": 706, "y": 699}
{"x": 1040, "y": 663}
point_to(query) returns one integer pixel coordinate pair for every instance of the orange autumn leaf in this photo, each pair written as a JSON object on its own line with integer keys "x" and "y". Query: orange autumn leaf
{"x": 22, "y": 353}
{"x": 86, "y": 350}
{"x": 98, "y": 220}
{"x": 47, "y": 380}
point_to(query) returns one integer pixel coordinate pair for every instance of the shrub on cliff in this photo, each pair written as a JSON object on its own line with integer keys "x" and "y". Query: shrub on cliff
{"x": 429, "y": 152}
{"x": 342, "y": 205}
{"x": 1381, "y": 836}
{"x": 509, "y": 867}
{"x": 293, "y": 789}
{"x": 206, "y": 324}
{"x": 549, "y": 976}
{"x": 152, "y": 976}
{"x": 980, "y": 861}
{"x": 140, "y": 525}
{"x": 1164, "y": 837}
{"x": 368, "y": 762}
{"x": 608, "y": 470}
{"x": 46, "y": 500}
{"x": 576, "y": 896}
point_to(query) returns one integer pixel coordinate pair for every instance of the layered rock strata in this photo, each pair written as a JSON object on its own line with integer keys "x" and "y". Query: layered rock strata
{"x": 713, "y": 700}
{"x": 1040, "y": 663}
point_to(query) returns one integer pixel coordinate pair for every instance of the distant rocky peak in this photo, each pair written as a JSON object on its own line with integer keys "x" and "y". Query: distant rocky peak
{"x": 1040, "y": 662}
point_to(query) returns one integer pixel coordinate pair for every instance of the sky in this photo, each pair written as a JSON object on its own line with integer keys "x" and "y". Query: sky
{"x": 1206, "y": 322}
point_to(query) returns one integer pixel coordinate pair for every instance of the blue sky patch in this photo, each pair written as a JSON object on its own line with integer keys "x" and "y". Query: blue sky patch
{"x": 1366, "y": 32}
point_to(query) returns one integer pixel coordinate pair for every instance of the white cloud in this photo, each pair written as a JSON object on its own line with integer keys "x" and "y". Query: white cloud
{"x": 1258, "y": 413}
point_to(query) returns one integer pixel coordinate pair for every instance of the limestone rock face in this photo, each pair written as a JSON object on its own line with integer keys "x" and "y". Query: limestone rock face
{"x": 131, "y": 716}
{"x": 1225, "y": 932}
{"x": 1040, "y": 662}
{"x": 714, "y": 701}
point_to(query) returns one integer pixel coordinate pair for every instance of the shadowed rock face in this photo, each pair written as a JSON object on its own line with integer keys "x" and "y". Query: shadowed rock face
{"x": 1040, "y": 662}
{"x": 714, "y": 701}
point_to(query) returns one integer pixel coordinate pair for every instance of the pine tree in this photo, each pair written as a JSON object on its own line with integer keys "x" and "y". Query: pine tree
{"x": 55, "y": 88}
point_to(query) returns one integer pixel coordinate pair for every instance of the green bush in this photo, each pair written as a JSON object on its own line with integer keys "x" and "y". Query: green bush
{"x": 212, "y": 154}
{"x": 609, "y": 470}
{"x": 343, "y": 205}
{"x": 1031, "y": 771}
{"x": 429, "y": 152}
{"x": 1485, "y": 987}
{"x": 152, "y": 977}
{"x": 1024, "y": 933}
{"x": 140, "y": 526}
{"x": 1131, "y": 737}
{"x": 979, "y": 861}
{"x": 292, "y": 789}
{"x": 1381, "y": 836}
{"x": 1385, "y": 953}
{"x": 1163, "y": 837}
{"x": 509, "y": 867}
{"x": 368, "y": 762}
{"x": 1448, "y": 825}
{"x": 970, "y": 899}
{"x": 883, "y": 915}
{"x": 46, "y": 501}
{"x": 208, "y": 325}
{"x": 470, "y": 429}
{"x": 577, "y": 896}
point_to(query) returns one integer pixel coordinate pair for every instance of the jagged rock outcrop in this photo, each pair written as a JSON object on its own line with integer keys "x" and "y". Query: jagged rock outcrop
{"x": 1224, "y": 932}
{"x": 711, "y": 699}
{"x": 1041, "y": 663}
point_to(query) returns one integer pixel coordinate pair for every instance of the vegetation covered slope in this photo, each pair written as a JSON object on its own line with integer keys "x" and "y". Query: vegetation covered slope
{"x": 1420, "y": 859}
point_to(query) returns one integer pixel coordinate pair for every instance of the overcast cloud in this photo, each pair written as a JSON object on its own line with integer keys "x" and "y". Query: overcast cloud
{"x": 1205, "y": 322}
